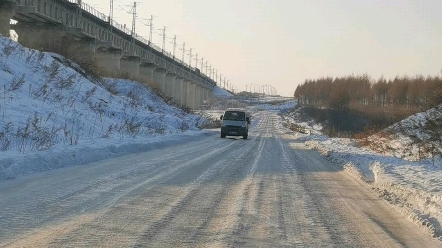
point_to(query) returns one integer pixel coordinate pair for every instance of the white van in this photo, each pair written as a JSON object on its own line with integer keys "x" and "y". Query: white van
{"x": 235, "y": 122}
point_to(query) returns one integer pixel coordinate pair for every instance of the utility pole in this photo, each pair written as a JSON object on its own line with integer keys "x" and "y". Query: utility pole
{"x": 207, "y": 67}
{"x": 190, "y": 57}
{"x": 164, "y": 38}
{"x": 184, "y": 50}
{"x": 111, "y": 12}
{"x": 202, "y": 64}
{"x": 174, "y": 46}
{"x": 196, "y": 61}
{"x": 150, "y": 28}
{"x": 111, "y": 17}
{"x": 134, "y": 16}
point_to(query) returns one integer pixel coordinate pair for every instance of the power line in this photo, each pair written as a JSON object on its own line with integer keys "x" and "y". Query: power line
{"x": 211, "y": 72}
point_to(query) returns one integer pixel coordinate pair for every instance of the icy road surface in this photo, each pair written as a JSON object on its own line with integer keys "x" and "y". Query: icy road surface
{"x": 267, "y": 191}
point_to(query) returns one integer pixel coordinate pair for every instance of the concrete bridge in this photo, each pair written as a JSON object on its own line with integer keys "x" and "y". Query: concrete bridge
{"x": 114, "y": 47}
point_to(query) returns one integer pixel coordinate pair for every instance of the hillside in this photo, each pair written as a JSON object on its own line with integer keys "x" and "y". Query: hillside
{"x": 415, "y": 138}
{"x": 54, "y": 114}
{"x": 389, "y": 163}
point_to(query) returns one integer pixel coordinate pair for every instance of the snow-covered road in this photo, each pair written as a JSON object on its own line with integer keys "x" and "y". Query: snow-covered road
{"x": 267, "y": 191}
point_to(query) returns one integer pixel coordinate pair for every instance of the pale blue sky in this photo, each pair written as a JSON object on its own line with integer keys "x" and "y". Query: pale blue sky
{"x": 283, "y": 42}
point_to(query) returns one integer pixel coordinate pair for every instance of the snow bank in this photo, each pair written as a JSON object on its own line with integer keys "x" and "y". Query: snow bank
{"x": 414, "y": 188}
{"x": 54, "y": 115}
{"x": 219, "y": 92}
{"x": 392, "y": 170}
{"x": 410, "y": 138}
{"x": 282, "y": 105}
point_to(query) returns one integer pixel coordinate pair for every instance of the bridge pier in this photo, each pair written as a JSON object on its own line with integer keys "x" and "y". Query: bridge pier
{"x": 190, "y": 100}
{"x": 146, "y": 73}
{"x": 209, "y": 94}
{"x": 185, "y": 92}
{"x": 197, "y": 96}
{"x": 41, "y": 37}
{"x": 130, "y": 65}
{"x": 202, "y": 96}
{"x": 109, "y": 61}
{"x": 206, "y": 95}
{"x": 178, "y": 88}
{"x": 159, "y": 78}
{"x": 7, "y": 11}
{"x": 169, "y": 84}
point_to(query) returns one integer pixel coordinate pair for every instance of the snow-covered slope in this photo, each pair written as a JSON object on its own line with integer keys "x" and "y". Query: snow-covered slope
{"x": 416, "y": 137}
{"x": 414, "y": 187}
{"x": 52, "y": 115}
{"x": 220, "y": 92}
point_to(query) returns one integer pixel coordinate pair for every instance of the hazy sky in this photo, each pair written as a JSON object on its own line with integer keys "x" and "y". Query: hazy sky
{"x": 283, "y": 42}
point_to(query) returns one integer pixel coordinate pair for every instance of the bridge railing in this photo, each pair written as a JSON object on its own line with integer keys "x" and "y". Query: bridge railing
{"x": 93, "y": 11}
{"x": 23, "y": 2}
{"x": 179, "y": 60}
{"x": 155, "y": 47}
{"x": 141, "y": 38}
{"x": 84, "y": 6}
{"x": 120, "y": 27}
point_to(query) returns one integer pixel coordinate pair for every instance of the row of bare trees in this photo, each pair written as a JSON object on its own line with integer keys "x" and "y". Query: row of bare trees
{"x": 360, "y": 92}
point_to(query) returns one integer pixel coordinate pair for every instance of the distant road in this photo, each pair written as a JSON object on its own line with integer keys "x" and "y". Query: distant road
{"x": 267, "y": 191}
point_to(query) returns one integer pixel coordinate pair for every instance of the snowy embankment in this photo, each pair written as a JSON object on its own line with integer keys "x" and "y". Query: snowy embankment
{"x": 392, "y": 171}
{"x": 414, "y": 188}
{"x": 53, "y": 114}
{"x": 281, "y": 105}
{"x": 220, "y": 92}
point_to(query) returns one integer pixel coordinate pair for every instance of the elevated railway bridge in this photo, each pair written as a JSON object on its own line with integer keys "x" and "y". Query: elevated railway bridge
{"x": 114, "y": 47}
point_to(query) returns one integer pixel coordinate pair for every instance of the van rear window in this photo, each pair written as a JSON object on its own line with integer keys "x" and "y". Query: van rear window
{"x": 234, "y": 116}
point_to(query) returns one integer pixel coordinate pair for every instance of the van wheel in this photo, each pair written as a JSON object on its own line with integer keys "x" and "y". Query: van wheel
{"x": 245, "y": 136}
{"x": 223, "y": 135}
